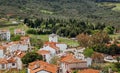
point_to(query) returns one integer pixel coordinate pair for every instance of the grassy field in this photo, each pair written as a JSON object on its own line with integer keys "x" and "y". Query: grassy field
{"x": 117, "y": 8}
{"x": 13, "y": 71}
{"x": 67, "y": 41}
{"x": 116, "y": 36}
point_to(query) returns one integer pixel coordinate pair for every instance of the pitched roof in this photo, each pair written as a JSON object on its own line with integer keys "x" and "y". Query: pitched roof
{"x": 4, "y": 31}
{"x": 11, "y": 60}
{"x": 3, "y": 61}
{"x": 43, "y": 52}
{"x": 18, "y": 31}
{"x": 89, "y": 71}
{"x": 52, "y": 45}
{"x": 24, "y": 37}
{"x": 69, "y": 58}
{"x": 19, "y": 54}
{"x": 112, "y": 44}
{"x": 37, "y": 66}
{"x": 53, "y": 35}
{"x": 2, "y": 48}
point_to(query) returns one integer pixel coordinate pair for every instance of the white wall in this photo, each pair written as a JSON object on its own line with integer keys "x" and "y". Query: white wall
{"x": 15, "y": 47}
{"x": 63, "y": 67}
{"x": 48, "y": 48}
{"x": 28, "y": 70}
{"x": 48, "y": 58}
{"x": 1, "y": 54}
{"x": 23, "y": 47}
{"x": 62, "y": 47}
{"x": 19, "y": 63}
{"x": 8, "y": 36}
{"x": 9, "y": 65}
{"x": 2, "y": 68}
{"x": 53, "y": 39}
{"x": 43, "y": 72}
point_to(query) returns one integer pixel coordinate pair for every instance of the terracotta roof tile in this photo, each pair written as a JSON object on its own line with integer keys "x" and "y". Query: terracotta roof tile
{"x": 11, "y": 60}
{"x": 3, "y": 61}
{"x": 43, "y": 52}
{"x": 19, "y": 54}
{"x": 52, "y": 45}
{"x": 37, "y": 66}
{"x": 24, "y": 37}
{"x": 69, "y": 58}
{"x": 111, "y": 44}
{"x": 18, "y": 30}
{"x": 2, "y": 47}
{"x": 89, "y": 71}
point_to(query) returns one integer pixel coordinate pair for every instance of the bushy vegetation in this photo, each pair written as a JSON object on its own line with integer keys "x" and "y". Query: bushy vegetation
{"x": 30, "y": 57}
{"x": 88, "y": 52}
{"x": 111, "y": 50}
{"x": 63, "y": 27}
{"x": 98, "y": 43}
{"x": 15, "y": 37}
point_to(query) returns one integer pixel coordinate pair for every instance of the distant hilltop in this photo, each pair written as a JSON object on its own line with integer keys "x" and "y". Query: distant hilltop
{"x": 108, "y": 0}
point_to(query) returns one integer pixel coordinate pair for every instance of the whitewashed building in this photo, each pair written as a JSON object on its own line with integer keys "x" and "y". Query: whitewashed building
{"x": 46, "y": 55}
{"x": 18, "y": 55}
{"x": 19, "y": 32}
{"x": 2, "y": 51}
{"x": 5, "y": 35}
{"x": 16, "y": 45}
{"x": 53, "y": 38}
{"x": 7, "y": 63}
{"x": 68, "y": 62}
{"x": 42, "y": 67}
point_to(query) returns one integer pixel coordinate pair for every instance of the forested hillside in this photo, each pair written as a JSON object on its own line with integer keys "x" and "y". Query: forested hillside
{"x": 108, "y": 0}
{"x": 86, "y": 10}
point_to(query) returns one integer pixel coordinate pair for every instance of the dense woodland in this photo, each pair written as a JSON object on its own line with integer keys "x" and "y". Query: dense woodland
{"x": 108, "y": 0}
{"x": 86, "y": 10}
{"x": 65, "y": 28}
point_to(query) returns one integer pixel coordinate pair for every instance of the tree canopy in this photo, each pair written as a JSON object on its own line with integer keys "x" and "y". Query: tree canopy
{"x": 30, "y": 57}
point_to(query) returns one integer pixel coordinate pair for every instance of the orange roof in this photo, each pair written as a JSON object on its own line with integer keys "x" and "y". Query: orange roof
{"x": 89, "y": 71}
{"x": 19, "y": 54}
{"x": 52, "y": 45}
{"x": 2, "y": 48}
{"x": 69, "y": 58}
{"x": 37, "y": 66}
{"x": 43, "y": 52}
{"x": 4, "y": 30}
{"x": 111, "y": 44}
{"x": 24, "y": 37}
{"x": 18, "y": 30}
{"x": 3, "y": 61}
{"x": 11, "y": 60}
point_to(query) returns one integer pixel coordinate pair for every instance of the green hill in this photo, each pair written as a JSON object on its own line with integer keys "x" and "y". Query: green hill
{"x": 78, "y": 9}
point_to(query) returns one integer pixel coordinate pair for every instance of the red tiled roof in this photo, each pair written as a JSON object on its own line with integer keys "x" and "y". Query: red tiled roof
{"x": 19, "y": 54}
{"x": 43, "y": 52}
{"x": 52, "y": 45}
{"x": 18, "y": 30}
{"x": 3, "y": 61}
{"x": 2, "y": 48}
{"x": 24, "y": 37}
{"x": 37, "y": 66}
{"x": 69, "y": 58}
{"x": 11, "y": 60}
{"x": 112, "y": 44}
{"x": 89, "y": 71}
